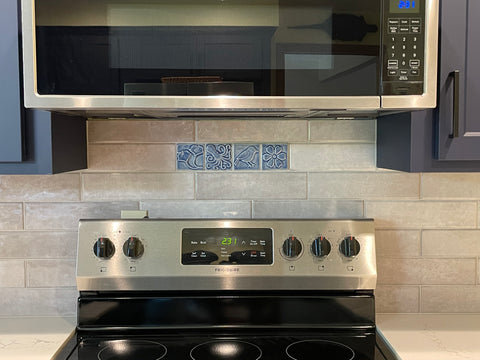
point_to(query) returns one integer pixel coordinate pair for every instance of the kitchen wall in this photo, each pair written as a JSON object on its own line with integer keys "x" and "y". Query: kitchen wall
{"x": 428, "y": 235}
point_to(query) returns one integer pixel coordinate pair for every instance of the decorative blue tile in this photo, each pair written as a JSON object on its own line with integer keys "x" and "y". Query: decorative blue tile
{"x": 246, "y": 156}
{"x": 219, "y": 156}
{"x": 274, "y": 156}
{"x": 190, "y": 157}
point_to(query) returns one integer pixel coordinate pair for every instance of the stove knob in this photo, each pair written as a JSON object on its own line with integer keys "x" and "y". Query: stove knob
{"x": 292, "y": 247}
{"x": 350, "y": 246}
{"x": 133, "y": 248}
{"x": 104, "y": 248}
{"x": 321, "y": 247}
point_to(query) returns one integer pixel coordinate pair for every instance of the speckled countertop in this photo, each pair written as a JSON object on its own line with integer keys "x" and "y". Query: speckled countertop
{"x": 33, "y": 338}
{"x": 413, "y": 337}
{"x": 432, "y": 337}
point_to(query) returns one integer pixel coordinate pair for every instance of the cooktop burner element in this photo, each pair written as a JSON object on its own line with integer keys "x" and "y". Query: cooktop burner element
{"x": 132, "y": 350}
{"x": 226, "y": 350}
{"x": 319, "y": 350}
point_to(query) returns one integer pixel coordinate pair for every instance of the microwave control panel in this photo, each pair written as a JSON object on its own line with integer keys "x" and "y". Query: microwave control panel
{"x": 403, "y": 47}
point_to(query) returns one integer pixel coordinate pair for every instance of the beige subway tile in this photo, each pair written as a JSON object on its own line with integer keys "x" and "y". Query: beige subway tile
{"x": 422, "y": 214}
{"x": 397, "y": 299}
{"x": 451, "y": 186}
{"x": 342, "y": 130}
{"x": 450, "y": 299}
{"x": 65, "y": 216}
{"x": 212, "y": 209}
{"x": 140, "y": 131}
{"x": 426, "y": 271}
{"x": 252, "y": 130}
{"x": 458, "y": 243}
{"x": 51, "y": 273}
{"x": 12, "y": 274}
{"x": 38, "y": 302}
{"x": 11, "y": 216}
{"x": 397, "y": 243}
{"x": 38, "y": 244}
{"x": 132, "y": 157}
{"x": 268, "y": 185}
{"x": 325, "y": 157}
{"x": 62, "y": 187}
{"x": 363, "y": 185}
{"x": 300, "y": 209}
{"x": 128, "y": 186}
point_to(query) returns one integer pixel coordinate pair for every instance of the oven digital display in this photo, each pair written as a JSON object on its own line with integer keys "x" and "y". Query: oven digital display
{"x": 227, "y": 246}
{"x": 405, "y": 6}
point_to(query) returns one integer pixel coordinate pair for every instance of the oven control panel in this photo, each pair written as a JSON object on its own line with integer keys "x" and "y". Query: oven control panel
{"x": 150, "y": 254}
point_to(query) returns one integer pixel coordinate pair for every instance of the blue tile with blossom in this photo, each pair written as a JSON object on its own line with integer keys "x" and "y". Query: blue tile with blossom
{"x": 274, "y": 156}
{"x": 190, "y": 157}
{"x": 218, "y": 156}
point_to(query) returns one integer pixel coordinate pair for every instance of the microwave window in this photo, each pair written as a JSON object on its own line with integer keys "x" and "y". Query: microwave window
{"x": 208, "y": 47}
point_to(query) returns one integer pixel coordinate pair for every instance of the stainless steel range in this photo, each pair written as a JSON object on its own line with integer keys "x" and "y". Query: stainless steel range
{"x": 226, "y": 289}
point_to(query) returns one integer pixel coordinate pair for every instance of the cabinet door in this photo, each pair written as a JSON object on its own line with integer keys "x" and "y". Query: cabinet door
{"x": 10, "y": 118}
{"x": 459, "y": 81}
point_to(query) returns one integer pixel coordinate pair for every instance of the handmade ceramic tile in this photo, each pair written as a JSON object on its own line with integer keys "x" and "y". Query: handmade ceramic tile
{"x": 246, "y": 157}
{"x": 274, "y": 156}
{"x": 218, "y": 156}
{"x": 190, "y": 157}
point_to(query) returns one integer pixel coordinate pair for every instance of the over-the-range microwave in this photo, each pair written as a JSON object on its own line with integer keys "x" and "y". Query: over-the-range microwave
{"x": 161, "y": 58}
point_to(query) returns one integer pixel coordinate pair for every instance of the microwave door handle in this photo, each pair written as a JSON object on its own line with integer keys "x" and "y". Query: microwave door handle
{"x": 456, "y": 103}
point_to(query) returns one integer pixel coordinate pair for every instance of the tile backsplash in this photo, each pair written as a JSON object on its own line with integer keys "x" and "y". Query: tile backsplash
{"x": 428, "y": 232}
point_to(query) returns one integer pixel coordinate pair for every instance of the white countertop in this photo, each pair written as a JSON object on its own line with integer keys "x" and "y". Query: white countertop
{"x": 412, "y": 336}
{"x": 36, "y": 338}
{"x": 432, "y": 337}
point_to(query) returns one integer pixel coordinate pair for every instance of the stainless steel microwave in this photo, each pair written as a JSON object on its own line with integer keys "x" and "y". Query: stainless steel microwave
{"x": 160, "y": 58}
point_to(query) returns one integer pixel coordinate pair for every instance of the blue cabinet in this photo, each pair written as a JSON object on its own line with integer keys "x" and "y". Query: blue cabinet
{"x": 31, "y": 141}
{"x": 447, "y": 138}
{"x": 10, "y": 107}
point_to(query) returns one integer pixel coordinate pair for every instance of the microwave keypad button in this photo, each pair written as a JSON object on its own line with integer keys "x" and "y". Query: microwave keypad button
{"x": 415, "y": 29}
{"x": 405, "y": 29}
{"x": 404, "y": 22}
{"x": 415, "y": 63}
{"x": 417, "y": 22}
{"x": 393, "y": 29}
{"x": 414, "y": 72}
{"x": 393, "y": 21}
{"x": 392, "y": 72}
{"x": 393, "y": 64}
{"x": 403, "y": 72}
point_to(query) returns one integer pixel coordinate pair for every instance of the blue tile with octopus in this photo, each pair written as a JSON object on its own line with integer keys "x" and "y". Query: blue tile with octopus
{"x": 218, "y": 156}
{"x": 190, "y": 157}
{"x": 246, "y": 156}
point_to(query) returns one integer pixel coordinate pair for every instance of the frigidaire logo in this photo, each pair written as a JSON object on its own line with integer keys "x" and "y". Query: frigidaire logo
{"x": 227, "y": 269}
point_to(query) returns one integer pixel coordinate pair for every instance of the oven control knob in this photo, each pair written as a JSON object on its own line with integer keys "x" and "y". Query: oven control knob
{"x": 133, "y": 247}
{"x": 350, "y": 246}
{"x": 104, "y": 248}
{"x": 292, "y": 247}
{"x": 321, "y": 247}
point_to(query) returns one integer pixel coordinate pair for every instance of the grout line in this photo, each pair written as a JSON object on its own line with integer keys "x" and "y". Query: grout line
{"x": 420, "y": 302}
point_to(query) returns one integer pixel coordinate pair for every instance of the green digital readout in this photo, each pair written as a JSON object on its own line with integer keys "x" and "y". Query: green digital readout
{"x": 229, "y": 241}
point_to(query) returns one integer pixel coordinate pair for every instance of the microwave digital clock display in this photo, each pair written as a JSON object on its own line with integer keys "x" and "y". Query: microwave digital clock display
{"x": 405, "y": 6}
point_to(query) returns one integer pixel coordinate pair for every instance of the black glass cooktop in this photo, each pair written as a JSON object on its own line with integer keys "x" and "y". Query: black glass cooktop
{"x": 224, "y": 347}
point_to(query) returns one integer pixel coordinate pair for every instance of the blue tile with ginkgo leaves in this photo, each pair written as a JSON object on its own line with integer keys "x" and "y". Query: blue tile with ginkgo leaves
{"x": 190, "y": 157}
{"x": 218, "y": 156}
{"x": 246, "y": 156}
{"x": 274, "y": 156}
